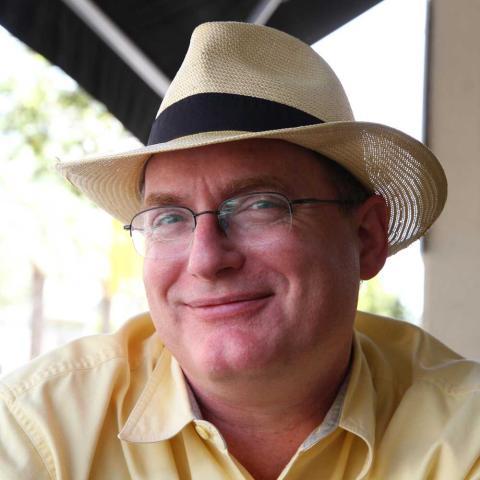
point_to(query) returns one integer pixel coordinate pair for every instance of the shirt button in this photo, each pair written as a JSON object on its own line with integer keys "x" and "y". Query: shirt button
{"x": 203, "y": 432}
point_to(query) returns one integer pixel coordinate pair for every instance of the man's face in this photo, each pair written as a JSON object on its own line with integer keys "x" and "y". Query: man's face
{"x": 228, "y": 310}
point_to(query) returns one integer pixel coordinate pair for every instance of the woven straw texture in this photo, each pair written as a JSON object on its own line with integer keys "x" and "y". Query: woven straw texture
{"x": 265, "y": 63}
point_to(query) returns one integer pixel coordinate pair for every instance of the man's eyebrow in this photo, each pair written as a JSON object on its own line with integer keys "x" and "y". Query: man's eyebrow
{"x": 159, "y": 199}
{"x": 260, "y": 182}
{"x": 235, "y": 187}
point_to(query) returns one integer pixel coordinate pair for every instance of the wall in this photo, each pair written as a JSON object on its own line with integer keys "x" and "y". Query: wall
{"x": 452, "y": 248}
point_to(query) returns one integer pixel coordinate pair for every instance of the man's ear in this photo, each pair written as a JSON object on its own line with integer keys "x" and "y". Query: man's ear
{"x": 372, "y": 229}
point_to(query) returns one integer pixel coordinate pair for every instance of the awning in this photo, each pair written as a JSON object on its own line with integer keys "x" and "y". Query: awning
{"x": 124, "y": 52}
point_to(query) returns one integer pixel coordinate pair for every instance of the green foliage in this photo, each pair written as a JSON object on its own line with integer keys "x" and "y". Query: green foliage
{"x": 48, "y": 228}
{"x": 51, "y": 118}
{"x": 45, "y": 116}
{"x": 374, "y": 299}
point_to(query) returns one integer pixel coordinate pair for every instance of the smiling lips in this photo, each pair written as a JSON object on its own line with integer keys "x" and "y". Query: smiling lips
{"x": 210, "y": 308}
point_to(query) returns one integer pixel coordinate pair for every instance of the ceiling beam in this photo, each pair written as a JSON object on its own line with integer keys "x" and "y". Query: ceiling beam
{"x": 108, "y": 31}
{"x": 263, "y": 11}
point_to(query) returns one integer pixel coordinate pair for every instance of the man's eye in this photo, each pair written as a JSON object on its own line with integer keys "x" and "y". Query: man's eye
{"x": 263, "y": 204}
{"x": 167, "y": 219}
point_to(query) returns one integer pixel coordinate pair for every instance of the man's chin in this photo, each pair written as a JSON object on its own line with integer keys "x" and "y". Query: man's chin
{"x": 231, "y": 358}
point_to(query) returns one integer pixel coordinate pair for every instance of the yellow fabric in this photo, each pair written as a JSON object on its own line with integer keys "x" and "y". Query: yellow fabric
{"x": 117, "y": 407}
{"x": 124, "y": 262}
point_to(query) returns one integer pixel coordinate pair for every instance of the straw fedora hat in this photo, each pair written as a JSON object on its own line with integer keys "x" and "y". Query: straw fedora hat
{"x": 240, "y": 81}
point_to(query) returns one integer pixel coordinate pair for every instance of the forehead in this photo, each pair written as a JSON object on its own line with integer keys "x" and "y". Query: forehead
{"x": 224, "y": 168}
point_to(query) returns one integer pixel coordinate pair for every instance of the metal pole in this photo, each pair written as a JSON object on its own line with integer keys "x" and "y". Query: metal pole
{"x": 262, "y": 13}
{"x": 108, "y": 31}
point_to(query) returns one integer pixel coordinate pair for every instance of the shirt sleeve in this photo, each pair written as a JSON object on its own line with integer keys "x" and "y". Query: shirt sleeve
{"x": 18, "y": 456}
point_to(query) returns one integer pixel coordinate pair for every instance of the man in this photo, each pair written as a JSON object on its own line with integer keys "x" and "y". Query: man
{"x": 259, "y": 205}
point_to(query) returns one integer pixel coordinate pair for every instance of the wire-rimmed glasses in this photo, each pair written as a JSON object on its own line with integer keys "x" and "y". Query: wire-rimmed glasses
{"x": 252, "y": 218}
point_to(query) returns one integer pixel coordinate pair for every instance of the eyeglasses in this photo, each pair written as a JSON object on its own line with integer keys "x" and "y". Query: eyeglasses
{"x": 257, "y": 218}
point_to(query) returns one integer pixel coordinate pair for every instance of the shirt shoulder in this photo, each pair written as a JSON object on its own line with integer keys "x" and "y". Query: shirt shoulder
{"x": 54, "y": 409}
{"x": 128, "y": 346}
{"x": 426, "y": 396}
{"x": 406, "y": 354}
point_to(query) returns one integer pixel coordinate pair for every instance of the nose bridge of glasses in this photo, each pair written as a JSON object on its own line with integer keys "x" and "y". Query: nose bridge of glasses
{"x": 210, "y": 212}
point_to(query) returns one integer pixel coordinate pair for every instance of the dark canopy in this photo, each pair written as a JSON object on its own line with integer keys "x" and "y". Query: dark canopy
{"x": 67, "y": 33}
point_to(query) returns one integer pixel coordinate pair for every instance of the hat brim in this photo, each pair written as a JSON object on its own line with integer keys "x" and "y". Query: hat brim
{"x": 385, "y": 160}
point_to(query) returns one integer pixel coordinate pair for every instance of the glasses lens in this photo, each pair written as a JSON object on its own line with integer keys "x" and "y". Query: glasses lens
{"x": 162, "y": 232}
{"x": 255, "y": 217}
{"x": 251, "y": 219}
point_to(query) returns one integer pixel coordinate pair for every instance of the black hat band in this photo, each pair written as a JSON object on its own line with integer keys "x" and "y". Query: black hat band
{"x": 209, "y": 112}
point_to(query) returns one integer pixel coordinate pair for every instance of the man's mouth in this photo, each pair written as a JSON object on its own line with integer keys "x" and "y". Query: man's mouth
{"x": 221, "y": 307}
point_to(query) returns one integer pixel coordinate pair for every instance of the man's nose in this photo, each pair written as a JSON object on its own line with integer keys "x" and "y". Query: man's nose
{"x": 211, "y": 253}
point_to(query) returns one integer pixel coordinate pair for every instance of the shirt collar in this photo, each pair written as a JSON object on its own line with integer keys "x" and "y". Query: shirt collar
{"x": 167, "y": 405}
{"x": 358, "y": 414}
{"x": 331, "y": 420}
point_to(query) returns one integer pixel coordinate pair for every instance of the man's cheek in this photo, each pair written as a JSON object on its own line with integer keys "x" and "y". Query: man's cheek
{"x": 158, "y": 280}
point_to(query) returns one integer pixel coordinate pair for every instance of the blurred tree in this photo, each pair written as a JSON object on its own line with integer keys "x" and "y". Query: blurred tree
{"x": 44, "y": 116}
{"x": 373, "y": 298}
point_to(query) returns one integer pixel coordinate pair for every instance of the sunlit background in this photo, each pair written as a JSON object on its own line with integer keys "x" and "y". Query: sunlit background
{"x": 68, "y": 269}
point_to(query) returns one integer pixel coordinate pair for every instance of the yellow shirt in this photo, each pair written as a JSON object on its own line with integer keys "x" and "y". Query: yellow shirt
{"x": 117, "y": 407}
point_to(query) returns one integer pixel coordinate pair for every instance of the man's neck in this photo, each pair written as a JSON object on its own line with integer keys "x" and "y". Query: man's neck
{"x": 265, "y": 425}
